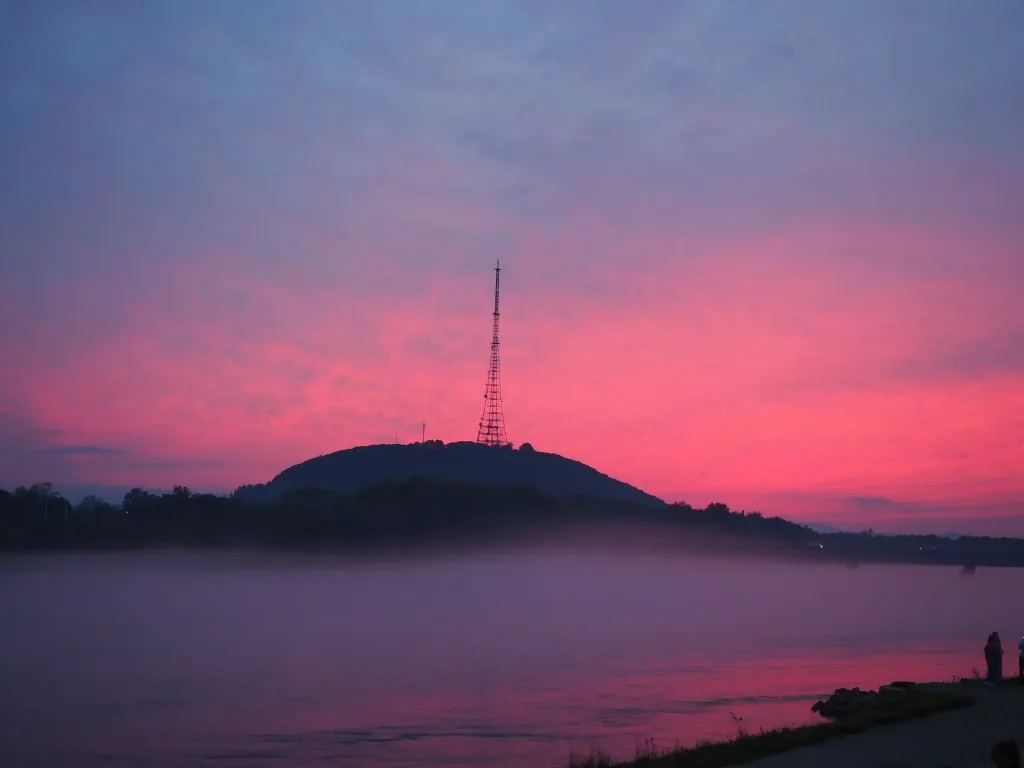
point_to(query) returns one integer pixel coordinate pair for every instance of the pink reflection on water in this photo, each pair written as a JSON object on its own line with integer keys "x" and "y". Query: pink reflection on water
{"x": 541, "y": 721}
{"x": 174, "y": 659}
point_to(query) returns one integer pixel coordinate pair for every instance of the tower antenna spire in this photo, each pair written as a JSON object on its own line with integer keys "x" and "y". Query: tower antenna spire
{"x": 492, "y": 421}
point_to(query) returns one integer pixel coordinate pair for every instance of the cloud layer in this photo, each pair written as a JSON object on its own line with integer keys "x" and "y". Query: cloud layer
{"x": 751, "y": 249}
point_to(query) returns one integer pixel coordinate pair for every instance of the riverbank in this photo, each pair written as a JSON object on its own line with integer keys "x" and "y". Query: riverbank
{"x": 960, "y": 738}
{"x": 949, "y": 725}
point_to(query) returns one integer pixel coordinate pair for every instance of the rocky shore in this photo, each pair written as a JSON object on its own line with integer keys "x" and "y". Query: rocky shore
{"x": 850, "y": 701}
{"x": 959, "y": 738}
{"x": 900, "y": 725}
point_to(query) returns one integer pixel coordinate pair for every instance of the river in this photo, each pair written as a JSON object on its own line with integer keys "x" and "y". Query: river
{"x": 507, "y": 659}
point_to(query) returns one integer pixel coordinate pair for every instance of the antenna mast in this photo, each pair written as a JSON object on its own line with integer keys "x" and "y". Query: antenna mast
{"x": 492, "y": 421}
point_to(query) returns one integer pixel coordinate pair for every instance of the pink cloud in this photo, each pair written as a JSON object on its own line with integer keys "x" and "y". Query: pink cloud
{"x": 748, "y": 366}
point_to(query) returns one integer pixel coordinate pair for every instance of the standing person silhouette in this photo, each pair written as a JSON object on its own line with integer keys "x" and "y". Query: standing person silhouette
{"x": 1020, "y": 658}
{"x": 999, "y": 655}
{"x": 993, "y": 656}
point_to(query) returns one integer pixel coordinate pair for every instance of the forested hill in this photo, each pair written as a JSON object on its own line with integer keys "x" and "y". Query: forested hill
{"x": 351, "y": 470}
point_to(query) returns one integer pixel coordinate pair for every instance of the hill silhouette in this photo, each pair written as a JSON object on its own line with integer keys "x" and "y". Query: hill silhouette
{"x": 353, "y": 469}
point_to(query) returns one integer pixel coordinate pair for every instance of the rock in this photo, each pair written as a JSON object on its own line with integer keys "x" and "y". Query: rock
{"x": 890, "y": 693}
{"x": 844, "y": 702}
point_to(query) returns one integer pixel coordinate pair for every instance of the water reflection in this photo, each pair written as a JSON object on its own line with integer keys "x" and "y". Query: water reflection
{"x": 510, "y": 660}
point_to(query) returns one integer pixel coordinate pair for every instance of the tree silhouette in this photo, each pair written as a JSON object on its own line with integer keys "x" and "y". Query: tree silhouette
{"x": 423, "y": 511}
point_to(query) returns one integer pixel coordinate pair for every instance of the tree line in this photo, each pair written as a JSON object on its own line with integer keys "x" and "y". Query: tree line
{"x": 416, "y": 509}
{"x": 425, "y": 511}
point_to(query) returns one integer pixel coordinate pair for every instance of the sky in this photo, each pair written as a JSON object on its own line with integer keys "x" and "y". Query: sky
{"x": 765, "y": 253}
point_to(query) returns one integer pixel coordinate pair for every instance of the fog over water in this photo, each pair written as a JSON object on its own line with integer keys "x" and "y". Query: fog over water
{"x": 500, "y": 659}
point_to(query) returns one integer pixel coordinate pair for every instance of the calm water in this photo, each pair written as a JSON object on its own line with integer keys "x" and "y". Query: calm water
{"x": 179, "y": 659}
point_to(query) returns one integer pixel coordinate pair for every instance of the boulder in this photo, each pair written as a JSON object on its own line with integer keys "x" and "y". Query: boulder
{"x": 890, "y": 693}
{"x": 845, "y": 702}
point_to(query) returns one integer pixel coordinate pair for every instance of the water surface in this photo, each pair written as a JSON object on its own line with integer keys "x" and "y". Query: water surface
{"x": 514, "y": 659}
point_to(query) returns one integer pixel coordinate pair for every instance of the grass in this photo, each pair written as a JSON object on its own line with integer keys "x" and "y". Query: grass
{"x": 746, "y": 747}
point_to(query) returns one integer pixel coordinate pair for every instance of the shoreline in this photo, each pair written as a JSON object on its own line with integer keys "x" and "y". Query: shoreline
{"x": 427, "y": 549}
{"x": 940, "y": 725}
{"x": 421, "y": 513}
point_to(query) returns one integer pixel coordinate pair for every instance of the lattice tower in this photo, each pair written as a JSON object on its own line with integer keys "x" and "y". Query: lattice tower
{"x": 492, "y": 421}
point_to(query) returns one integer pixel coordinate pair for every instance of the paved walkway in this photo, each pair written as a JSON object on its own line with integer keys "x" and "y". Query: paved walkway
{"x": 960, "y": 738}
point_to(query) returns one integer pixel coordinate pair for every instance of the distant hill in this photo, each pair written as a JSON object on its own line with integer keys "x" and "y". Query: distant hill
{"x": 354, "y": 469}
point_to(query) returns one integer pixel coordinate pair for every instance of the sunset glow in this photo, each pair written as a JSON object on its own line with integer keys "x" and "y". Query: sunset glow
{"x": 766, "y": 254}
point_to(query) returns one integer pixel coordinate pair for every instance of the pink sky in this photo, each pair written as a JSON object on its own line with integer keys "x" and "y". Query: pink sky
{"x": 801, "y": 297}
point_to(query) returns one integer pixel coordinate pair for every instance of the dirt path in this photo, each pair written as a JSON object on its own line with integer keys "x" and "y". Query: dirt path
{"x": 960, "y": 738}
